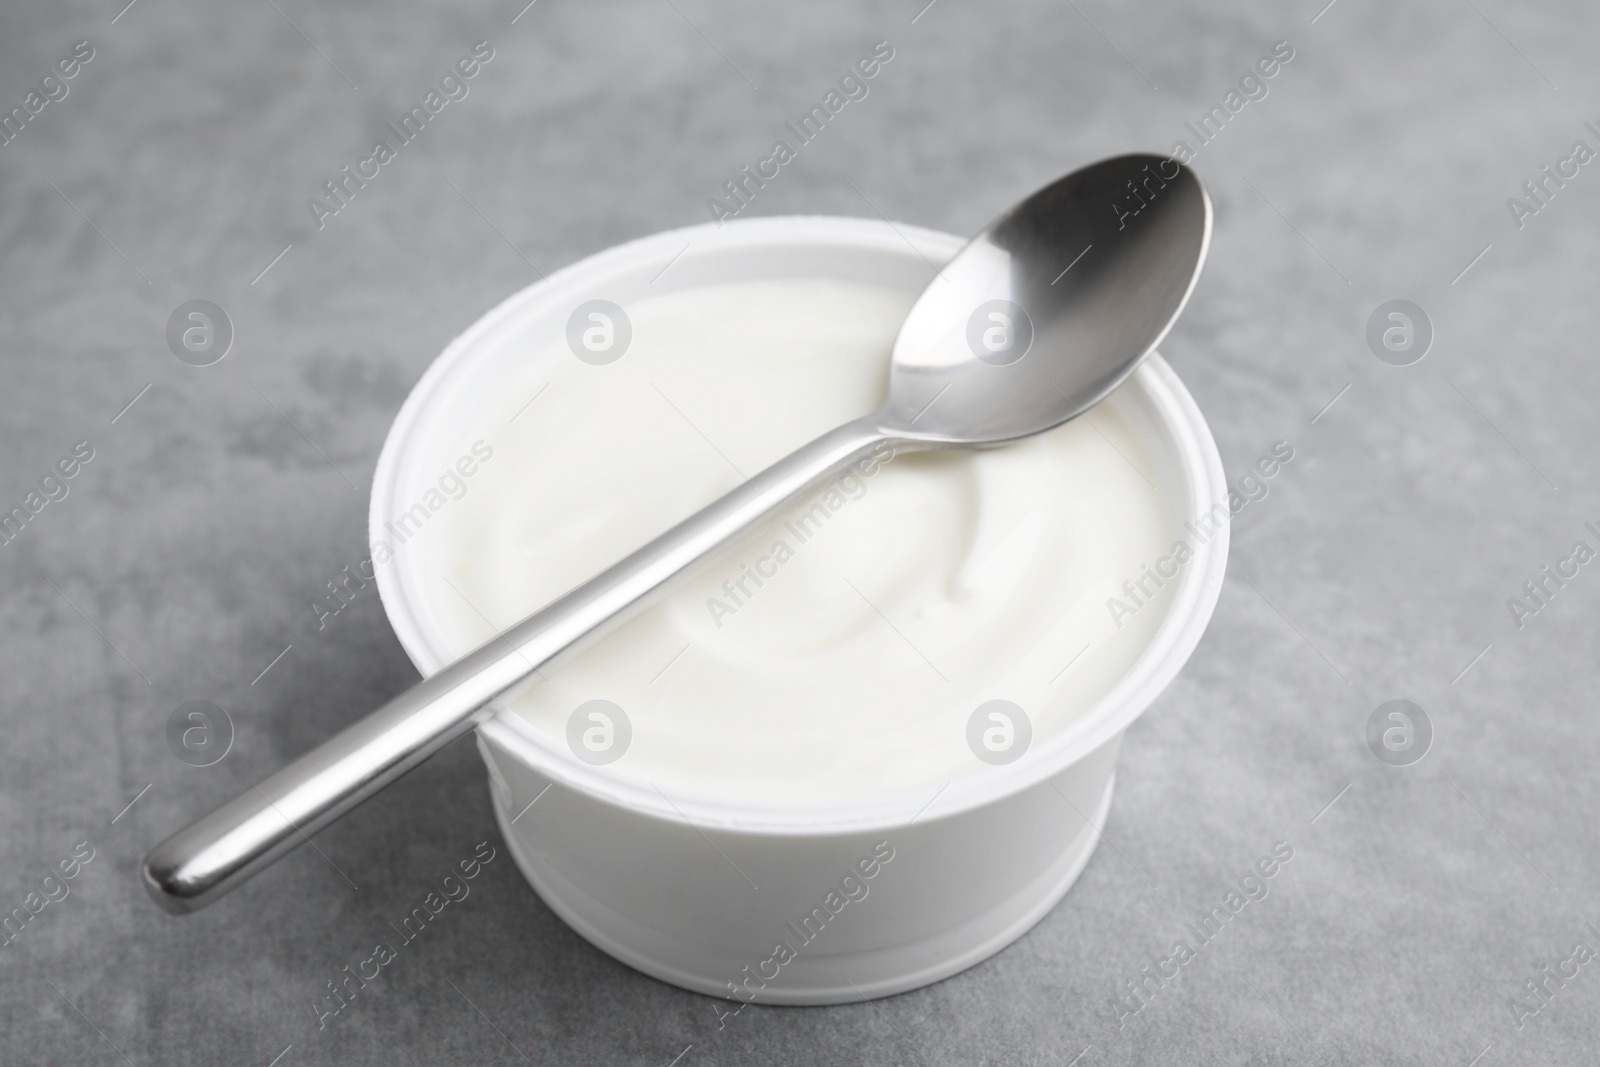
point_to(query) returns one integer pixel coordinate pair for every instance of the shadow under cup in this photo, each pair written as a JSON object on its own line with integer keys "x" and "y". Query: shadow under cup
{"x": 829, "y": 902}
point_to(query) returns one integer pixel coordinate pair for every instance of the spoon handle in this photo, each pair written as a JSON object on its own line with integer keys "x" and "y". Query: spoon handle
{"x": 213, "y": 855}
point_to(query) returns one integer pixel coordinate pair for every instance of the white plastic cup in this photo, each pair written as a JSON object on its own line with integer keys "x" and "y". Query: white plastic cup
{"x": 702, "y": 893}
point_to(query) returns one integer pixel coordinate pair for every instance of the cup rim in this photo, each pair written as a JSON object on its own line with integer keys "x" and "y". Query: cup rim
{"x": 1195, "y": 592}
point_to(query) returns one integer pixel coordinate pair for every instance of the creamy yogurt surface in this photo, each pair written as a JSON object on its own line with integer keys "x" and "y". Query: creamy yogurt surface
{"x": 839, "y": 651}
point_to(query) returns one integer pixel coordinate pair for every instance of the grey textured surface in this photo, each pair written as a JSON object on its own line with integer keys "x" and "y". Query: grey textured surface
{"x": 184, "y": 559}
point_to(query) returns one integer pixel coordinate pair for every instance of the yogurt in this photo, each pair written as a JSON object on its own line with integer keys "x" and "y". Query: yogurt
{"x": 841, "y": 650}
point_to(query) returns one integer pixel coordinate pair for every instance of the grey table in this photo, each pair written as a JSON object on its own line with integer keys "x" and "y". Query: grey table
{"x": 1422, "y": 900}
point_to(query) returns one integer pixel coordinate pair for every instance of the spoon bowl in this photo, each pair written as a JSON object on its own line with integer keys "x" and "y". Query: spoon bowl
{"x": 1050, "y": 308}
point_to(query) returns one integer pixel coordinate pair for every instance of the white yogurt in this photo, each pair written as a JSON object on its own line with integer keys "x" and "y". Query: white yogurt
{"x": 840, "y": 651}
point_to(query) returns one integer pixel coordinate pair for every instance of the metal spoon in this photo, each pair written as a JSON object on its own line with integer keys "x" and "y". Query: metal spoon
{"x": 1035, "y": 320}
